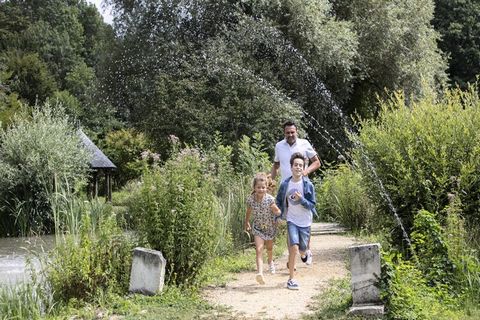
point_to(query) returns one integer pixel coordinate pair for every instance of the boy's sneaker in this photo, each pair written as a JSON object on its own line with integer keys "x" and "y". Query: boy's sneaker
{"x": 272, "y": 268}
{"x": 259, "y": 278}
{"x": 309, "y": 259}
{"x": 292, "y": 285}
{"x": 304, "y": 258}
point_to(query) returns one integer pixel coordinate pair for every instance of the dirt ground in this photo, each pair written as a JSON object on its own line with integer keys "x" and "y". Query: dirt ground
{"x": 249, "y": 300}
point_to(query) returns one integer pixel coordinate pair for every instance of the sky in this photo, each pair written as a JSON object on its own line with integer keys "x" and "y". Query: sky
{"x": 107, "y": 17}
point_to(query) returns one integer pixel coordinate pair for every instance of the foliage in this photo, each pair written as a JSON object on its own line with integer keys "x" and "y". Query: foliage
{"x": 431, "y": 251}
{"x": 127, "y": 148}
{"x": 252, "y": 157}
{"x": 424, "y": 152}
{"x": 462, "y": 252}
{"x": 58, "y": 45}
{"x": 29, "y": 77}
{"x": 121, "y": 202}
{"x": 97, "y": 259}
{"x": 441, "y": 279}
{"x": 37, "y": 155}
{"x": 22, "y": 301}
{"x": 220, "y": 164}
{"x": 397, "y": 49}
{"x": 177, "y": 215}
{"x": 343, "y": 198}
{"x": 457, "y": 23}
{"x": 407, "y": 294}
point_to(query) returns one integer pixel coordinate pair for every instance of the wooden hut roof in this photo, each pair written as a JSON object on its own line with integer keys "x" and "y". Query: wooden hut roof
{"x": 99, "y": 159}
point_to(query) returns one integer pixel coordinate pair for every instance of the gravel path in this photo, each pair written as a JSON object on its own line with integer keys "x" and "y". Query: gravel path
{"x": 249, "y": 300}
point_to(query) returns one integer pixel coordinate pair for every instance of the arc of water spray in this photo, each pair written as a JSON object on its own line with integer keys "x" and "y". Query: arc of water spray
{"x": 327, "y": 136}
{"x": 383, "y": 192}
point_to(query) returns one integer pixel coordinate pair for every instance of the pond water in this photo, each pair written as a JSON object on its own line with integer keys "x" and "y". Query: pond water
{"x": 14, "y": 253}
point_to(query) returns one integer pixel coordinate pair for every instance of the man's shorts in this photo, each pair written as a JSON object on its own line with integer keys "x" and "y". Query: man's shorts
{"x": 298, "y": 236}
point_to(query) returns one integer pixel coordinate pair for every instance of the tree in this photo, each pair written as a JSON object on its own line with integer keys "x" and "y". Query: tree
{"x": 398, "y": 50}
{"x": 458, "y": 23}
{"x": 29, "y": 76}
{"x": 290, "y": 50}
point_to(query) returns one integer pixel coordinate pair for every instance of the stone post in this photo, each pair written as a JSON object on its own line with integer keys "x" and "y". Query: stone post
{"x": 148, "y": 271}
{"x": 365, "y": 269}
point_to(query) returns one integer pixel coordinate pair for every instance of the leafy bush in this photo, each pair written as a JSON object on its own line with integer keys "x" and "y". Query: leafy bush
{"x": 121, "y": 201}
{"x": 343, "y": 198}
{"x": 425, "y": 151}
{"x": 407, "y": 294}
{"x": 124, "y": 147}
{"x": 431, "y": 250}
{"x": 177, "y": 214}
{"x": 38, "y": 155}
{"x": 441, "y": 280}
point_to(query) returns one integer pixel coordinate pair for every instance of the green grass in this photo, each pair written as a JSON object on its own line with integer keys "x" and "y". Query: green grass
{"x": 173, "y": 302}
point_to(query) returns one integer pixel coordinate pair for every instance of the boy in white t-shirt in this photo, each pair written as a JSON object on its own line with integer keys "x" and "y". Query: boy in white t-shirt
{"x": 296, "y": 200}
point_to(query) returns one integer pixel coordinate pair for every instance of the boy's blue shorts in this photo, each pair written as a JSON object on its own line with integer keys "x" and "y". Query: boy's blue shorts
{"x": 298, "y": 236}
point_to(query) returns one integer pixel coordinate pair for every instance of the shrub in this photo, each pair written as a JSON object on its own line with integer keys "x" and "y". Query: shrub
{"x": 343, "y": 198}
{"x": 407, "y": 294}
{"x": 431, "y": 250}
{"x": 177, "y": 214}
{"x": 124, "y": 147}
{"x": 424, "y": 151}
{"x": 37, "y": 155}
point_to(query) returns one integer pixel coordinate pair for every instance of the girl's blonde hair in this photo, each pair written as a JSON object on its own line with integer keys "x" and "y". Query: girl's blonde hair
{"x": 267, "y": 178}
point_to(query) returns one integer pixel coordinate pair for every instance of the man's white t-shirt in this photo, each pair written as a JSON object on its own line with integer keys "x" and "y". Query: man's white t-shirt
{"x": 296, "y": 213}
{"x": 284, "y": 151}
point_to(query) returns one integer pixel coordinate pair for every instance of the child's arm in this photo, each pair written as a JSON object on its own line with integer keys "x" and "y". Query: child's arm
{"x": 276, "y": 211}
{"x": 247, "y": 219}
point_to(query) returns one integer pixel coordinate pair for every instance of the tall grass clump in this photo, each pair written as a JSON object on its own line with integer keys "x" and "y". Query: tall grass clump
{"x": 177, "y": 214}
{"x": 342, "y": 198}
{"x": 37, "y": 153}
{"x": 23, "y": 301}
{"x": 464, "y": 254}
{"x": 92, "y": 260}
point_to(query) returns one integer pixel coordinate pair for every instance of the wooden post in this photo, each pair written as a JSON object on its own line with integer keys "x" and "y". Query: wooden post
{"x": 108, "y": 181}
{"x": 95, "y": 185}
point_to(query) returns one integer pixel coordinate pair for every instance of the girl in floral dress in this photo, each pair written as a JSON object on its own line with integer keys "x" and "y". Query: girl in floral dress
{"x": 264, "y": 210}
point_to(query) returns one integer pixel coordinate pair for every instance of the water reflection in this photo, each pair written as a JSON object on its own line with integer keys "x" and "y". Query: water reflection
{"x": 14, "y": 253}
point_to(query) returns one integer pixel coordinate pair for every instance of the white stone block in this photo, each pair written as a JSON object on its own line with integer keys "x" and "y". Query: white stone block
{"x": 365, "y": 270}
{"x": 148, "y": 271}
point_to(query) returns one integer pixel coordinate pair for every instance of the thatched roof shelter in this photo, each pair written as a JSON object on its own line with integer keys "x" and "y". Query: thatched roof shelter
{"x": 100, "y": 164}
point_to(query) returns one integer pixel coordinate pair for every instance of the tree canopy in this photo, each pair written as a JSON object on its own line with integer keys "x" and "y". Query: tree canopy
{"x": 190, "y": 68}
